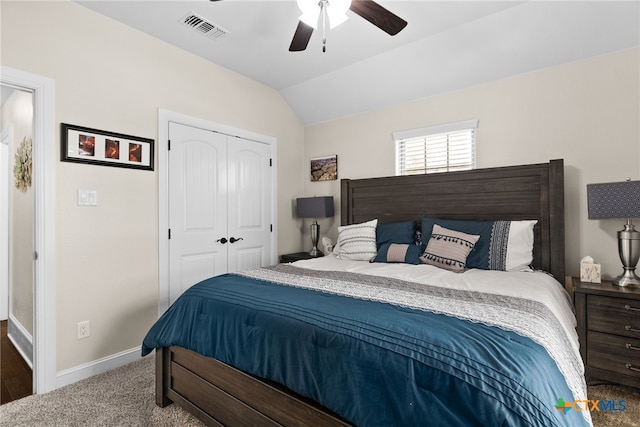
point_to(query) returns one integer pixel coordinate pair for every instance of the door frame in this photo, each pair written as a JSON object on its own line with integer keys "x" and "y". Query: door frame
{"x": 45, "y": 161}
{"x": 6, "y": 135}
{"x": 164, "y": 118}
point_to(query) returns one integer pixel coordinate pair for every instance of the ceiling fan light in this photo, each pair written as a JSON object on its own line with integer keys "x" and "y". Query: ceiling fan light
{"x": 336, "y": 19}
{"x": 337, "y": 12}
{"x": 310, "y": 12}
{"x": 339, "y": 5}
{"x": 311, "y": 18}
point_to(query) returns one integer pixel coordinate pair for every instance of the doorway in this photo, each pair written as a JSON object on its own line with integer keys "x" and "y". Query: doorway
{"x": 43, "y": 225}
{"x": 17, "y": 237}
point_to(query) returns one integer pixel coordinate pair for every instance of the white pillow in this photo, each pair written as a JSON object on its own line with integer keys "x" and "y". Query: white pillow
{"x": 357, "y": 242}
{"x": 520, "y": 246}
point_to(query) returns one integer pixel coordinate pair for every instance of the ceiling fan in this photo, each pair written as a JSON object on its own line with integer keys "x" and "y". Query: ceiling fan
{"x": 367, "y": 9}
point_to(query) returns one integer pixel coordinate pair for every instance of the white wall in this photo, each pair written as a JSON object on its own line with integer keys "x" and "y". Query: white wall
{"x": 109, "y": 76}
{"x": 587, "y": 113}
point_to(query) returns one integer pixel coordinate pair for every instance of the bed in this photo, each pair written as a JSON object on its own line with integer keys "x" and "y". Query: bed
{"x": 343, "y": 341}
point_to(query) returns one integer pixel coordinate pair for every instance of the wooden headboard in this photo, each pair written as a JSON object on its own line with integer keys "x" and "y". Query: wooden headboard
{"x": 533, "y": 191}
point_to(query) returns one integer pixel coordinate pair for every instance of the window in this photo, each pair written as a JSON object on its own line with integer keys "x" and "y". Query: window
{"x": 442, "y": 148}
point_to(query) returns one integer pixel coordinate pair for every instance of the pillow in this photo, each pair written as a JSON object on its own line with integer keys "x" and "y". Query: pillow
{"x": 357, "y": 242}
{"x": 520, "y": 246}
{"x": 448, "y": 249}
{"x": 503, "y": 245}
{"x": 396, "y": 232}
{"x": 398, "y": 252}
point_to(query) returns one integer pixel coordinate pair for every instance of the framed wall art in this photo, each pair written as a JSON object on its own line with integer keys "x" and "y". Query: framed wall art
{"x": 324, "y": 168}
{"x": 85, "y": 145}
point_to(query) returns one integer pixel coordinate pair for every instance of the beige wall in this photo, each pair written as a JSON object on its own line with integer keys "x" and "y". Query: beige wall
{"x": 17, "y": 112}
{"x": 109, "y": 76}
{"x": 587, "y": 113}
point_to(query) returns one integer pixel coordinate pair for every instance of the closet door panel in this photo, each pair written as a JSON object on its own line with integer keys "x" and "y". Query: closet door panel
{"x": 198, "y": 206}
{"x": 250, "y": 193}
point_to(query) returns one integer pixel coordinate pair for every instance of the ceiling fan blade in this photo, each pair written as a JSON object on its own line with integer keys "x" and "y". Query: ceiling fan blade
{"x": 301, "y": 37}
{"x": 378, "y": 16}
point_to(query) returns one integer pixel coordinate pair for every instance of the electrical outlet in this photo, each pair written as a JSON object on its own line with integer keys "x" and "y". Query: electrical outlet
{"x": 83, "y": 330}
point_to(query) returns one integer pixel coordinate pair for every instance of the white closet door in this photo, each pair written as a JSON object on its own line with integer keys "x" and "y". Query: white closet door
{"x": 197, "y": 206}
{"x": 250, "y": 198}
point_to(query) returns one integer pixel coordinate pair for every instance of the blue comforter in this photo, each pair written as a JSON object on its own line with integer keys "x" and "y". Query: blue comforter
{"x": 373, "y": 363}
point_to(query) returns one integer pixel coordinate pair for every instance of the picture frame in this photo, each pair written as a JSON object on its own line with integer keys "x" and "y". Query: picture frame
{"x": 324, "y": 168}
{"x": 80, "y": 144}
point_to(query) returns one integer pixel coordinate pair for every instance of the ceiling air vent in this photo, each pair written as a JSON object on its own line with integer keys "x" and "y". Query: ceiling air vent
{"x": 202, "y": 26}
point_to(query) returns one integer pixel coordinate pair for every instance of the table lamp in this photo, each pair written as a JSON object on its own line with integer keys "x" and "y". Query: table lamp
{"x": 314, "y": 207}
{"x": 619, "y": 200}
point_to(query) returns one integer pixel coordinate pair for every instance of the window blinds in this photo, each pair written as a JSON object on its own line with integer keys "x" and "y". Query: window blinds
{"x": 436, "y": 149}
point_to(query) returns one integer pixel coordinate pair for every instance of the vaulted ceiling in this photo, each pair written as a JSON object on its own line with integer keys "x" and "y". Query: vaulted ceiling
{"x": 446, "y": 46}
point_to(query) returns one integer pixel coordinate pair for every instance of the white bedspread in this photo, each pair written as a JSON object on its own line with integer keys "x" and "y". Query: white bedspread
{"x": 536, "y": 286}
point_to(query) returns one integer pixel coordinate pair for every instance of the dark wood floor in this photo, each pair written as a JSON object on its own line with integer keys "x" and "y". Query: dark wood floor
{"x": 16, "y": 379}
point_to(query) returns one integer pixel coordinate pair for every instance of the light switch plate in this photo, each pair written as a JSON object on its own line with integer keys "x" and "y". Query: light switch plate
{"x": 87, "y": 198}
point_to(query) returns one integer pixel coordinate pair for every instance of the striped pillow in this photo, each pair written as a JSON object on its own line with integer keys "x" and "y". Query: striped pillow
{"x": 448, "y": 249}
{"x": 398, "y": 252}
{"x": 357, "y": 242}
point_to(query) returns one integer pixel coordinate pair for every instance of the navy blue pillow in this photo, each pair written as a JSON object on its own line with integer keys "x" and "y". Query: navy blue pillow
{"x": 490, "y": 250}
{"x": 396, "y": 232}
{"x": 399, "y": 252}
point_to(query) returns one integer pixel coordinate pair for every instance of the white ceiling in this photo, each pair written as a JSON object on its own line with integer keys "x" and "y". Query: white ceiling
{"x": 446, "y": 46}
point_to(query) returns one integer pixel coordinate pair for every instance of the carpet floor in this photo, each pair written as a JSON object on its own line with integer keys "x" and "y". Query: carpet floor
{"x": 121, "y": 397}
{"x": 125, "y": 397}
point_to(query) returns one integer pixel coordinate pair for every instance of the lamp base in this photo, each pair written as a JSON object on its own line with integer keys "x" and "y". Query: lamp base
{"x": 315, "y": 252}
{"x": 629, "y": 250}
{"x": 628, "y": 278}
{"x": 315, "y": 234}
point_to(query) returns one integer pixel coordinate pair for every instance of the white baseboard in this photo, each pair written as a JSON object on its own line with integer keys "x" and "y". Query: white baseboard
{"x": 81, "y": 372}
{"x": 21, "y": 339}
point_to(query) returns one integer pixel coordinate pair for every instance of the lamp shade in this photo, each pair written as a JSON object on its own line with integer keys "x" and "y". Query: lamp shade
{"x": 314, "y": 207}
{"x": 614, "y": 200}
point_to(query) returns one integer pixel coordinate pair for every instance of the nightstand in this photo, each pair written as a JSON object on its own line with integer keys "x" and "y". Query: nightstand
{"x": 295, "y": 257}
{"x": 609, "y": 331}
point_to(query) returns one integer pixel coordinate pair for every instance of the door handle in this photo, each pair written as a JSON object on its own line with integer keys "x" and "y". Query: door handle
{"x": 233, "y": 239}
{"x": 223, "y": 240}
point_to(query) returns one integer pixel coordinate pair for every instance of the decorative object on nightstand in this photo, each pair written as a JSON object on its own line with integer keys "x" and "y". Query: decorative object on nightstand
{"x": 314, "y": 207}
{"x": 590, "y": 271}
{"x": 327, "y": 244}
{"x": 619, "y": 200}
{"x": 609, "y": 331}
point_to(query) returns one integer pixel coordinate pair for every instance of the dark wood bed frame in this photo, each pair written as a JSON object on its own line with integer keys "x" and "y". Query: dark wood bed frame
{"x": 219, "y": 394}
